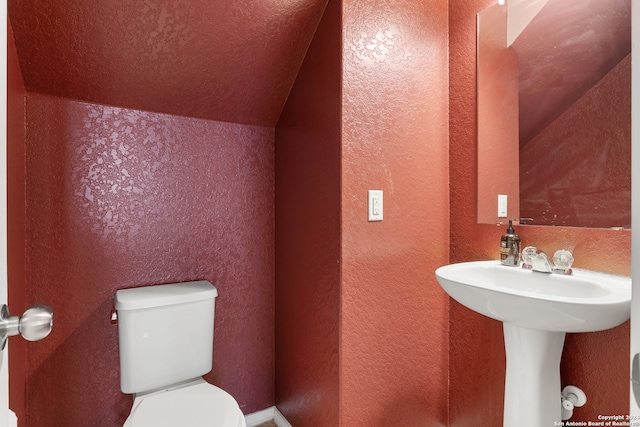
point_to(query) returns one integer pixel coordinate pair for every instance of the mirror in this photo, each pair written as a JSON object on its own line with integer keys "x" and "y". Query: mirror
{"x": 554, "y": 112}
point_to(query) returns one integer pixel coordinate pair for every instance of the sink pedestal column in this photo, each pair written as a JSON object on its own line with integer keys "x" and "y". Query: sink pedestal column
{"x": 532, "y": 389}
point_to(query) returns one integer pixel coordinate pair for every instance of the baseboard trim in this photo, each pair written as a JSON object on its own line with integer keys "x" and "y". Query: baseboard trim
{"x": 269, "y": 414}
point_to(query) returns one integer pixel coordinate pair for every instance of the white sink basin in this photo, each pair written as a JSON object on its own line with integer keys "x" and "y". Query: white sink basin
{"x": 586, "y": 301}
{"x": 537, "y": 310}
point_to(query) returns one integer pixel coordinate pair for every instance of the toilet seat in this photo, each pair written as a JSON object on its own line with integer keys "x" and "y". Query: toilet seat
{"x": 200, "y": 404}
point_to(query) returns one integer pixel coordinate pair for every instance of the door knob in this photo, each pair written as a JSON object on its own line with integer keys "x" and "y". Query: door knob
{"x": 34, "y": 324}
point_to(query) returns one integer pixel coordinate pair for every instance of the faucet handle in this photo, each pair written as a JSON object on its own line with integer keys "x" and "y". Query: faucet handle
{"x": 563, "y": 259}
{"x": 528, "y": 254}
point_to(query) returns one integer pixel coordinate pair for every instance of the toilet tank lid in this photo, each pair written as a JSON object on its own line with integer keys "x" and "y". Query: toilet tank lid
{"x": 163, "y": 295}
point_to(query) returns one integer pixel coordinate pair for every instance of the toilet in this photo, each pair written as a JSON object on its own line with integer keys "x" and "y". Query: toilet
{"x": 166, "y": 346}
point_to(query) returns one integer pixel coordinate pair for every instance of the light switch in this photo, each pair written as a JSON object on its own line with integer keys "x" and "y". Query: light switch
{"x": 375, "y": 205}
{"x": 502, "y": 205}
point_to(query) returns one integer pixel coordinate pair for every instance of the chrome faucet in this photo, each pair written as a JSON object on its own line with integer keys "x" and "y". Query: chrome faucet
{"x": 540, "y": 262}
{"x": 537, "y": 260}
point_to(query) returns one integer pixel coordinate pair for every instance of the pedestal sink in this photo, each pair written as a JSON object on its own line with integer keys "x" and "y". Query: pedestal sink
{"x": 537, "y": 310}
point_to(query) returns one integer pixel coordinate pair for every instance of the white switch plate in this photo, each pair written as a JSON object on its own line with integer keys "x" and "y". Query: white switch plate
{"x": 502, "y": 205}
{"x": 375, "y": 205}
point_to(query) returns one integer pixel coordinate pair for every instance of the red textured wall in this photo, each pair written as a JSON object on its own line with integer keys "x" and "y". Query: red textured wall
{"x": 597, "y": 131}
{"x": 119, "y": 198}
{"x": 394, "y": 315}
{"x": 16, "y": 220}
{"x": 362, "y": 296}
{"x": 308, "y": 234}
{"x": 596, "y": 362}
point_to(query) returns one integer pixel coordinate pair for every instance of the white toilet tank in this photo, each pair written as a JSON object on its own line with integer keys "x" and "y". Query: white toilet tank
{"x": 165, "y": 334}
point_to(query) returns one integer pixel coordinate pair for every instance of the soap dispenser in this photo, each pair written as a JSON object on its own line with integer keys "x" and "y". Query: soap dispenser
{"x": 510, "y": 247}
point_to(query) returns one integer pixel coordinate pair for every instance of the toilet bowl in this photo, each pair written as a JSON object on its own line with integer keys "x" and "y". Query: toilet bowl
{"x": 165, "y": 335}
{"x": 197, "y": 403}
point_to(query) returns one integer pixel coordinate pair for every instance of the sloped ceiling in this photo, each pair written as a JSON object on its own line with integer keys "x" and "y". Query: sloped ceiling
{"x": 567, "y": 48}
{"x": 224, "y": 60}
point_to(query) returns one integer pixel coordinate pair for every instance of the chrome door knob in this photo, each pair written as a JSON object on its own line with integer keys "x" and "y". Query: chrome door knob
{"x": 35, "y": 324}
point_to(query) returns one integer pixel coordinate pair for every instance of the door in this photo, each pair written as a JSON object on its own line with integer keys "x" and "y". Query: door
{"x": 7, "y": 418}
{"x": 36, "y": 322}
